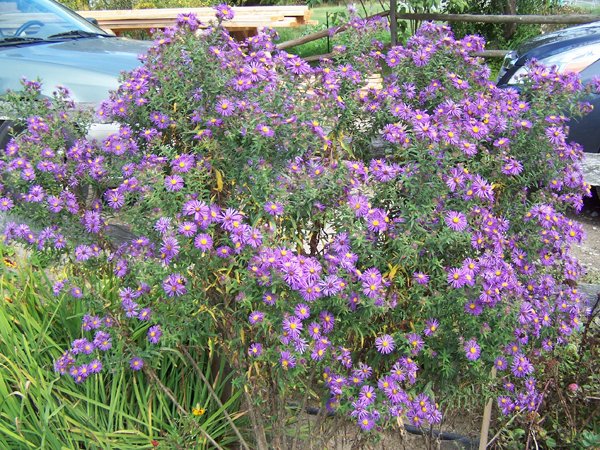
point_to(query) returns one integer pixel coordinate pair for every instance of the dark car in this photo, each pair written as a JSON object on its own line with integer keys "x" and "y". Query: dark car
{"x": 43, "y": 39}
{"x": 574, "y": 49}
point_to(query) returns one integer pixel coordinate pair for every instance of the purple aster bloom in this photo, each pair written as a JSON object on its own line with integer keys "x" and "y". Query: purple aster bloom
{"x": 287, "y": 360}
{"x": 431, "y": 326}
{"x": 302, "y": 311}
{"x": 84, "y": 346}
{"x": 230, "y": 219}
{"x": 265, "y": 130}
{"x": 505, "y": 404}
{"x": 225, "y": 107}
{"x": 223, "y": 12}
{"x": 500, "y": 363}
{"x": 95, "y": 366}
{"x": 367, "y": 395}
{"x": 102, "y": 341}
{"x": 512, "y": 167}
{"x": 456, "y": 220}
{"x": 456, "y": 277}
{"x": 473, "y": 307}
{"x": 421, "y": 278}
{"x": 293, "y": 326}
{"x": 173, "y": 183}
{"x": 327, "y": 321}
{"x": 174, "y": 285}
{"x": 76, "y": 292}
{"x": 366, "y": 423}
{"x": 136, "y": 363}
{"x": 145, "y": 314}
{"x": 314, "y": 330}
{"x": 255, "y": 349}
{"x": 274, "y": 208}
{"x": 163, "y": 225}
{"x": 472, "y": 350}
{"x": 269, "y": 298}
{"x": 203, "y": 242}
{"x": 256, "y": 317}
{"x": 415, "y": 342}
{"x": 385, "y": 344}
{"x": 187, "y": 229}
{"x": 319, "y": 351}
{"x": 6, "y": 204}
{"x": 183, "y": 163}
{"x": 521, "y": 367}
{"x": 377, "y": 220}
{"x": 224, "y": 251}
{"x": 154, "y": 334}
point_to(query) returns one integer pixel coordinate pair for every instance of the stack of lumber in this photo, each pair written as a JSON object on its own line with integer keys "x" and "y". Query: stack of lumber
{"x": 246, "y": 18}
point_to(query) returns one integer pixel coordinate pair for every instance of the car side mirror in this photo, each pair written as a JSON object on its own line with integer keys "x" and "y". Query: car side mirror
{"x": 92, "y": 20}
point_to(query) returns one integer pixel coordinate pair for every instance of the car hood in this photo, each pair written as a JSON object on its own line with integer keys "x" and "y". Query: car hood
{"x": 89, "y": 67}
{"x": 562, "y": 39}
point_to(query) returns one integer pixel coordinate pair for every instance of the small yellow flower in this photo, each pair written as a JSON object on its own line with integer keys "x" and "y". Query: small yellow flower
{"x": 9, "y": 263}
{"x": 198, "y": 411}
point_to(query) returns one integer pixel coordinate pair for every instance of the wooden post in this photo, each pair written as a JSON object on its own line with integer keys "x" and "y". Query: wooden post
{"x": 487, "y": 417}
{"x": 393, "y": 22}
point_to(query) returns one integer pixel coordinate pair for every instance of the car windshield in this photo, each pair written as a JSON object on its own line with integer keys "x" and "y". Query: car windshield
{"x": 23, "y": 21}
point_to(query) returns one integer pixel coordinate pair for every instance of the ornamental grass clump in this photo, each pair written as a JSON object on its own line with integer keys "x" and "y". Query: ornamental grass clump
{"x": 352, "y": 247}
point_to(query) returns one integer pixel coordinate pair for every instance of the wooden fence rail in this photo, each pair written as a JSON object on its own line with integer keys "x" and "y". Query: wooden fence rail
{"x": 564, "y": 19}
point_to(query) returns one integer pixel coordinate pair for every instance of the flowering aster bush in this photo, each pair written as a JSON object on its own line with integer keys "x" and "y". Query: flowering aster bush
{"x": 360, "y": 242}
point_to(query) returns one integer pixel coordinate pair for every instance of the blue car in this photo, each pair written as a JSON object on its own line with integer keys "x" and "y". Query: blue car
{"x": 43, "y": 39}
{"x": 574, "y": 49}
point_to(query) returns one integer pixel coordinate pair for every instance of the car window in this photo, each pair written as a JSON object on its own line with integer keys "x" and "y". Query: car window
{"x": 38, "y": 19}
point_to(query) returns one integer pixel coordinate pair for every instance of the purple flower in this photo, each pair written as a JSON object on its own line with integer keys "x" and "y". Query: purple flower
{"x": 265, "y": 130}
{"x": 224, "y": 251}
{"x": 456, "y": 220}
{"x": 223, "y": 12}
{"x": 174, "y": 285}
{"x": 154, "y": 334}
{"x": 225, "y": 107}
{"x": 431, "y": 326}
{"x": 366, "y": 423}
{"x": 274, "y": 208}
{"x": 385, "y": 344}
{"x": 136, "y": 363}
{"x": 145, "y": 314}
{"x": 255, "y": 349}
{"x": 421, "y": 278}
{"x": 256, "y": 317}
{"x": 293, "y": 326}
{"x": 302, "y": 311}
{"x": 521, "y": 367}
{"x": 95, "y": 366}
{"x": 203, "y": 242}
{"x": 415, "y": 342}
{"x": 173, "y": 183}
{"x": 501, "y": 363}
{"x": 456, "y": 277}
{"x": 6, "y": 204}
{"x": 102, "y": 341}
{"x": 287, "y": 360}
{"x": 472, "y": 350}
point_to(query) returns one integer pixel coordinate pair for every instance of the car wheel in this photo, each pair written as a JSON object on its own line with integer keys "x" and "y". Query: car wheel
{"x": 5, "y": 133}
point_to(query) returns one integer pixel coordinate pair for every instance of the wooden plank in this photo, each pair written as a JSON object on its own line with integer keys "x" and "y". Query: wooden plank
{"x": 206, "y": 13}
{"x": 246, "y": 18}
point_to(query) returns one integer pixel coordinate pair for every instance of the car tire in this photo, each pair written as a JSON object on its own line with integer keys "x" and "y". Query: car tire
{"x": 5, "y": 133}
